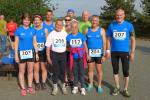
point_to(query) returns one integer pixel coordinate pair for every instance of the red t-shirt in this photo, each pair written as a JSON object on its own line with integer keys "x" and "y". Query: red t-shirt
{"x": 11, "y": 27}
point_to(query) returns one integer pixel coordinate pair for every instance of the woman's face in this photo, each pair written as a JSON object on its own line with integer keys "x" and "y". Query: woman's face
{"x": 37, "y": 21}
{"x": 26, "y": 21}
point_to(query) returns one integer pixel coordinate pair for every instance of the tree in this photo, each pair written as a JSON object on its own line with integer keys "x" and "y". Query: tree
{"x": 111, "y": 5}
{"x": 146, "y": 7}
{"x": 15, "y": 8}
{"x": 143, "y": 20}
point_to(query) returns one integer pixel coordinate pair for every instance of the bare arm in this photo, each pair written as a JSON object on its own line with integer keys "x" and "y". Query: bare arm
{"x": 16, "y": 48}
{"x": 35, "y": 48}
{"x": 133, "y": 46}
{"x": 108, "y": 47}
{"x": 85, "y": 31}
{"x": 46, "y": 31}
{"x": 48, "y": 54}
{"x": 35, "y": 44}
{"x": 104, "y": 41}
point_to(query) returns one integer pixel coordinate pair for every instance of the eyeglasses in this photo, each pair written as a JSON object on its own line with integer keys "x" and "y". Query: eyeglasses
{"x": 67, "y": 19}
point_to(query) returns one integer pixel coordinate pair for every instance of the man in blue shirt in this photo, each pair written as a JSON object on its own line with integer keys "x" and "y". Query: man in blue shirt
{"x": 120, "y": 36}
{"x": 48, "y": 23}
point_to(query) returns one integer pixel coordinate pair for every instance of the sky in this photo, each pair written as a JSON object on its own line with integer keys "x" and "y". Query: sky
{"x": 93, "y": 6}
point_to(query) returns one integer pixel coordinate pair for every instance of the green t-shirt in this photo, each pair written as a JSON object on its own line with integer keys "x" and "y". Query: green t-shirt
{"x": 2, "y": 27}
{"x": 83, "y": 26}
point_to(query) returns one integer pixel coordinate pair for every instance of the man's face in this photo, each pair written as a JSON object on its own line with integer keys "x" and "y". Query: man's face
{"x": 1, "y": 17}
{"x": 95, "y": 22}
{"x": 67, "y": 20}
{"x": 71, "y": 14}
{"x": 85, "y": 16}
{"x": 120, "y": 15}
{"x": 49, "y": 16}
{"x": 58, "y": 26}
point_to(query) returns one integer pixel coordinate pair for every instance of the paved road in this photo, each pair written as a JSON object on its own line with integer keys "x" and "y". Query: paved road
{"x": 139, "y": 82}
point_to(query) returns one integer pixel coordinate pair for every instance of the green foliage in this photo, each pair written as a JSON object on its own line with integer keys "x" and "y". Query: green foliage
{"x": 142, "y": 24}
{"x": 108, "y": 10}
{"x": 15, "y": 8}
{"x": 146, "y": 7}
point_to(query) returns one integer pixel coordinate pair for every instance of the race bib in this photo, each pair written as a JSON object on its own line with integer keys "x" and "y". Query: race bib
{"x": 26, "y": 54}
{"x": 40, "y": 46}
{"x": 95, "y": 52}
{"x": 75, "y": 42}
{"x": 59, "y": 43}
{"x": 119, "y": 35}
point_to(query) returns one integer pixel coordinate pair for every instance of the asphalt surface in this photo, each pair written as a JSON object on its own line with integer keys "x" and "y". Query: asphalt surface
{"x": 139, "y": 85}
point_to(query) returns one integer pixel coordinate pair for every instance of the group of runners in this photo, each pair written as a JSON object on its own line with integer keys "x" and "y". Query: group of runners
{"x": 70, "y": 46}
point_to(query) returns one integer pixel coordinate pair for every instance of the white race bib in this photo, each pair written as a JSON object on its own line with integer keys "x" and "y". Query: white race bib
{"x": 95, "y": 52}
{"x": 40, "y": 46}
{"x": 59, "y": 43}
{"x": 26, "y": 54}
{"x": 75, "y": 42}
{"x": 119, "y": 35}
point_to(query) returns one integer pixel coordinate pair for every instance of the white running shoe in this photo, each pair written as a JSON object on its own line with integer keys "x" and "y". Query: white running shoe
{"x": 75, "y": 90}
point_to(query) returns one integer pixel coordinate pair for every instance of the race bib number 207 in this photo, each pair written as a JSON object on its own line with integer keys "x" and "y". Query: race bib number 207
{"x": 119, "y": 35}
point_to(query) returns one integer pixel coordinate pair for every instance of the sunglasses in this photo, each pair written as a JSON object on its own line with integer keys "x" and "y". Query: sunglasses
{"x": 67, "y": 19}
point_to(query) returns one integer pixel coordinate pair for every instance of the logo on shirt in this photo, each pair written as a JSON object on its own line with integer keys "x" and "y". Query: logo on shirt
{"x": 22, "y": 34}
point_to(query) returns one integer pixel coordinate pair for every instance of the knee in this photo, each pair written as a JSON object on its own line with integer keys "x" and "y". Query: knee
{"x": 30, "y": 71}
{"x": 126, "y": 73}
{"x": 21, "y": 71}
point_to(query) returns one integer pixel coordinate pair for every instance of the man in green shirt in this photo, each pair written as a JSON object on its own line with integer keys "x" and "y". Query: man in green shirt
{"x": 3, "y": 35}
{"x": 2, "y": 25}
{"x": 85, "y": 23}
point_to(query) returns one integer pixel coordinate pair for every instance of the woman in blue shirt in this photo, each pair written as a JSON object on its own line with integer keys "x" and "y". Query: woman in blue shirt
{"x": 25, "y": 46}
{"x": 41, "y": 34}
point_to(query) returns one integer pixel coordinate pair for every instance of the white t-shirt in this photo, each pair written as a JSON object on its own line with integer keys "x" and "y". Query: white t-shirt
{"x": 57, "y": 40}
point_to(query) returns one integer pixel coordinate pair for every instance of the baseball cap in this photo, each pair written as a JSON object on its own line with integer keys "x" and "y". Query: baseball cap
{"x": 70, "y": 10}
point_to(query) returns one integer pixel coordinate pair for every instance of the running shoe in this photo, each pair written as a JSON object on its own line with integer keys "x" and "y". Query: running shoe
{"x": 116, "y": 91}
{"x": 55, "y": 89}
{"x": 43, "y": 86}
{"x": 83, "y": 92}
{"x": 37, "y": 86}
{"x": 100, "y": 90}
{"x": 23, "y": 92}
{"x": 126, "y": 93}
{"x": 31, "y": 90}
{"x": 75, "y": 90}
{"x": 89, "y": 87}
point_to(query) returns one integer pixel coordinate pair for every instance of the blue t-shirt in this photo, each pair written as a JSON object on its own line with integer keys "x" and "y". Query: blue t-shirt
{"x": 40, "y": 38}
{"x": 76, "y": 42}
{"x": 120, "y": 36}
{"x": 25, "y": 38}
{"x": 95, "y": 42}
{"x": 49, "y": 27}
